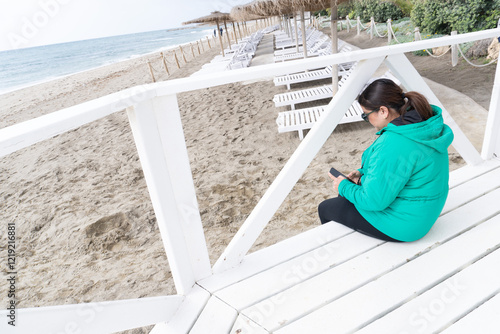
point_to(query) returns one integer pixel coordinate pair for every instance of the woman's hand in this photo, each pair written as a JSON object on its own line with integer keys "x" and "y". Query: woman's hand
{"x": 336, "y": 181}
{"x": 354, "y": 176}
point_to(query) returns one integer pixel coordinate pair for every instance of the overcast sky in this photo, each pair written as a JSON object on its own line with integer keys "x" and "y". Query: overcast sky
{"x": 27, "y": 23}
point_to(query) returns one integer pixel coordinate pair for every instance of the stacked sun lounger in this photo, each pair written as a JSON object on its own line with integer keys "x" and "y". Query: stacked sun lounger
{"x": 320, "y": 45}
{"x": 239, "y": 55}
{"x": 283, "y": 40}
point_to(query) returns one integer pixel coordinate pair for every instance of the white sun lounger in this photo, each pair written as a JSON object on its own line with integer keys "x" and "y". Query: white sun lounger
{"x": 311, "y": 40}
{"x": 303, "y": 119}
{"x": 325, "y": 73}
{"x": 320, "y": 47}
{"x": 284, "y": 41}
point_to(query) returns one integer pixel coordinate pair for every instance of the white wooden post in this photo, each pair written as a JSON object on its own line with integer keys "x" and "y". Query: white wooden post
{"x": 389, "y": 31}
{"x": 417, "y": 34}
{"x": 348, "y": 23}
{"x": 296, "y": 165}
{"x": 296, "y": 31}
{"x": 159, "y": 137}
{"x": 372, "y": 26}
{"x": 303, "y": 28}
{"x": 491, "y": 143}
{"x": 404, "y": 71}
{"x": 358, "y": 25}
{"x": 454, "y": 52}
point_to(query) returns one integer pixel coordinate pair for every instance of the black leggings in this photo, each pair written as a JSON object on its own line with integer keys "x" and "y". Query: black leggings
{"x": 344, "y": 212}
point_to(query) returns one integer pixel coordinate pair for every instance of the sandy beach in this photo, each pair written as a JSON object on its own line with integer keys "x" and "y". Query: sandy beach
{"x": 86, "y": 228}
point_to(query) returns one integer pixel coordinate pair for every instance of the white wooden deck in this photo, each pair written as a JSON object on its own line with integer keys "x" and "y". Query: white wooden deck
{"x": 333, "y": 280}
{"x": 326, "y": 280}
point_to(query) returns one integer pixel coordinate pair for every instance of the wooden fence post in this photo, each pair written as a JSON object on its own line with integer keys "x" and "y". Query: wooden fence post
{"x": 183, "y": 55}
{"x": 176, "y": 60}
{"x": 165, "y": 63}
{"x": 372, "y": 26}
{"x": 358, "y": 26}
{"x": 389, "y": 31}
{"x": 208, "y": 40}
{"x": 454, "y": 52}
{"x": 417, "y": 34}
{"x": 151, "y": 71}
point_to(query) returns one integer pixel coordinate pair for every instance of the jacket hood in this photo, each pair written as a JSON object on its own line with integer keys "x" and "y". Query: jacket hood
{"x": 431, "y": 132}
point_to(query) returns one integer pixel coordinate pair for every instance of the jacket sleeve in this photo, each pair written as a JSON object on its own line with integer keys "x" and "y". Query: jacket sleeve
{"x": 384, "y": 178}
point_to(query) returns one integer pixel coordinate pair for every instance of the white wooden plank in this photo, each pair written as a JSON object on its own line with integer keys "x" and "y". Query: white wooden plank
{"x": 243, "y": 325}
{"x": 92, "y": 318}
{"x": 177, "y": 160}
{"x": 147, "y": 137}
{"x": 186, "y": 315}
{"x": 468, "y": 172}
{"x": 280, "y": 252}
{"x": 472, "y": 189}
{"x": 217, "y": 317}
{"x": 27, "y": 133}
{"x": 295, "y": 167}
{"x": 293, "y": 303}
{"x": 22, "y": 136}
{"x": 484, "y": 319}
{"x": 446, "y": 302}
{"x": 366, "y": 304}
{"x": 296, "y": 270}
{"x": 405, "y": 72}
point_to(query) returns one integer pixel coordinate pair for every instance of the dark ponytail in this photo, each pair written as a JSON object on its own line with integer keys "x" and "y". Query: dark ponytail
{"x": 384, "y": 92}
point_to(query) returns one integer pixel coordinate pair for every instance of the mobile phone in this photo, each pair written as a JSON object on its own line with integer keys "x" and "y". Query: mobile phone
{"x": 336, "y": 173}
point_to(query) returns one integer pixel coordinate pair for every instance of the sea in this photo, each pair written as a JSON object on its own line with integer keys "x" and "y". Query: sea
{"x": 25, "y": 67}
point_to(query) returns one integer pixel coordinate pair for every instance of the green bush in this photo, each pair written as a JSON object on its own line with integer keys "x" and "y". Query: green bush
{"x": 380, "y": 10}
{"x": 345, "y": 8}
{"x": 405, "y": 5}
{"x": 443, "y": 17}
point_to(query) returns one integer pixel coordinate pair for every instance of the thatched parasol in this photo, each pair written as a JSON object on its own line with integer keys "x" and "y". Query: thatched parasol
{"x": 243, "y": 14}
{"x": 215, "y": 17}
{"x": 263, "y": 8}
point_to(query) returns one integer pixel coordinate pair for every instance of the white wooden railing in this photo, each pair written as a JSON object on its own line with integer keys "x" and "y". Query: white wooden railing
{"x": 156, "y": 125}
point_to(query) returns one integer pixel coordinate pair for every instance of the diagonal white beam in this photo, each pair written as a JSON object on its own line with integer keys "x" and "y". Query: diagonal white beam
{"x": 296, "y": 165}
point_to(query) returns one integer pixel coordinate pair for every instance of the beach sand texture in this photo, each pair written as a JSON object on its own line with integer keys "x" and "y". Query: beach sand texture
{"x": 86, "y": 230}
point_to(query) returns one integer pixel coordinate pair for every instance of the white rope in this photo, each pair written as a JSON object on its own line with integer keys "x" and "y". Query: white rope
{"x": 166, "y": 56}
{"x": 475, "y": 65}
{"x": 394, "y": 34}
{"x": 349, "y": 22}
{"x": 154, "y": 69}
{"x": 362, "y": 26}
{"x": 430, "y": 54}
{"x": 379, "y": 33}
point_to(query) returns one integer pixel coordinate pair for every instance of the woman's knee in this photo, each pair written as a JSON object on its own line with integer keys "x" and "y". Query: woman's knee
{"x": 324, "y": 211}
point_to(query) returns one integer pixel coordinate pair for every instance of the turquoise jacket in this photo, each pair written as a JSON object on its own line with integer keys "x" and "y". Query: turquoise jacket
{"x": 404, "y": 178}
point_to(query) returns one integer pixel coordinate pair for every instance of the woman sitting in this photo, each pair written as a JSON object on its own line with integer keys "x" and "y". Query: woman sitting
{"x": 402, "y": 185}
